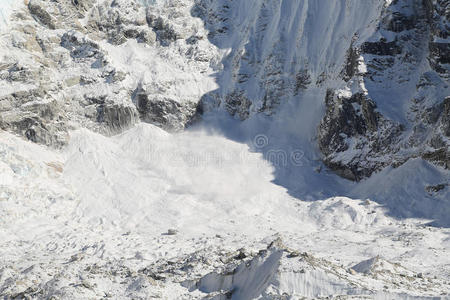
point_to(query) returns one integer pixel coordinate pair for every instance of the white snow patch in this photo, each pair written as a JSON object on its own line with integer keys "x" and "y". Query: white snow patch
{"x": 7, "y": 7}
{"x": 344, "y": 93}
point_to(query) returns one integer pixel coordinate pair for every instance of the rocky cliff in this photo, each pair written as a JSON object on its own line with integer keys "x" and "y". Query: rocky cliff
{"x": 279, "y": 96}
{"x": 101, "y": 65}
{"x": 379, "y": 70}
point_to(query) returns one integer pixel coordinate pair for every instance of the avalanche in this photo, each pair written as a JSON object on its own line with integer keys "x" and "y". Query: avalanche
{"x": 104, "y": 193}
{"x": 92, "y": 221}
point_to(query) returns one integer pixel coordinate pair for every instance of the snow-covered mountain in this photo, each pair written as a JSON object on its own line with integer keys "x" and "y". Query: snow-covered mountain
{"x": 219, "y": 149}
{"x": 377, "y": 70}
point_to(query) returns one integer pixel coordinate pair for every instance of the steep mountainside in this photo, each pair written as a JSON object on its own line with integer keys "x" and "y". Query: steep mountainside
{"x": 102, "y": 65}
{"x": 378, "y": 71}
{"x": 224, "y": 149}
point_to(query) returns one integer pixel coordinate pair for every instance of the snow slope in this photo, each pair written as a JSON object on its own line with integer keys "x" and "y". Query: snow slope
{"x": 270, "y": 42}
{"x": 75, "y": 223}
{"x": 226, "y": 209}
{"x": 280, "y": 60}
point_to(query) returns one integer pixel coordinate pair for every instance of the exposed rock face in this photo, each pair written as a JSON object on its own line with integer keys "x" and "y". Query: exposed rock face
{"x": 38, "y": 11}
{"x": 358, "y": 148}
{"x": 352, "y": 128}
{"x": 117, "y": 117}
{"x": 381, "y": 48}
{"x": 80, "y": 46}
{"x": 238, "y": 104}
{"x": 164, "y": 112}
{"x": 383, "y": 80}
{"x": 79, "y": 63}
{"x": 439, "y": 46}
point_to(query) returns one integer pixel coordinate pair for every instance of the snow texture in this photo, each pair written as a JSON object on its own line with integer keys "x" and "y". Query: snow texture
{"x": 151, "y": 213}
{"x": 6, "y": 8}
{"x": 239, "y": 205}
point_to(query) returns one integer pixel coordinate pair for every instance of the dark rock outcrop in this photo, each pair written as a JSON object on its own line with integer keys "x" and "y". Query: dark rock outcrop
{"x": 80, "y": 47}
{"x": 439, "y": 156}
{"x": 237, "y": 104}
{"x": 165, "y": 33}
{"x": 163, "y": 112}
{"x": 381, "y": 48}
{"x": 37, "y": 10}
{"x": 439, "y": 56}
{"x": 353, "y": 134}
{"x": 117, "y": 117}
{"x": 42, "y": 123}
{"x": 351, "y": 64}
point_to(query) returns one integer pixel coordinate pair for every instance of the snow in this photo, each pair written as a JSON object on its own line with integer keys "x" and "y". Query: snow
{"x": 6, "y": 9}
{"x": 344, "y": 93}
{"x": 171, "y": 78}
{"x": 175, "y": 177}
{"x": 302, "y": 34}
{"x": 105, "y": 198}
{"x": 317, "y": 37}
{"x": 86, "y": 221}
